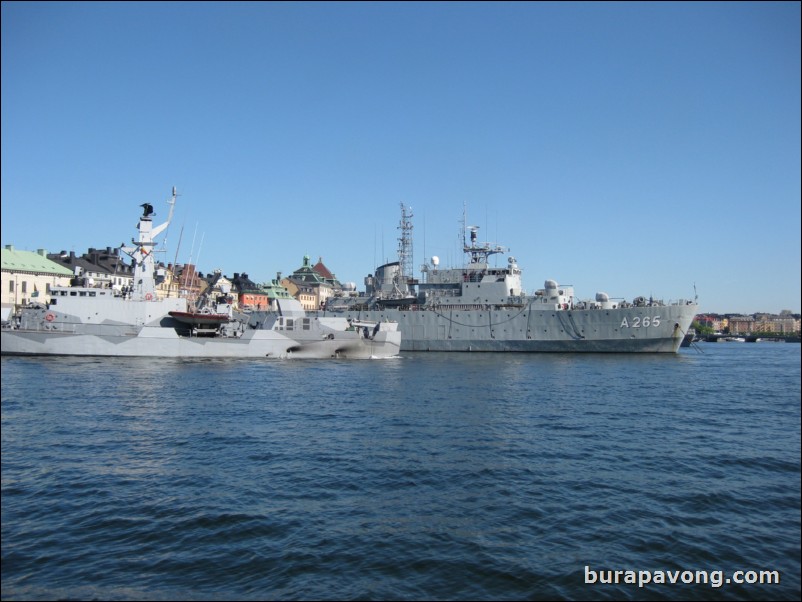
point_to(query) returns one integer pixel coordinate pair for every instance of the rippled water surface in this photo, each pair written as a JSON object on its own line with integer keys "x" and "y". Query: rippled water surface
{"x": 431, "y": 476}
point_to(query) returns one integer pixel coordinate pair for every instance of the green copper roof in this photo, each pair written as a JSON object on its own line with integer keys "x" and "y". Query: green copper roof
{"x": 28, "y": 261}
{"x": 274, "y": 290}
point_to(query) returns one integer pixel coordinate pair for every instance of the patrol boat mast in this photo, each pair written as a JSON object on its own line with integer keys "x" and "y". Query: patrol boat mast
{"x": 141, "y": 253}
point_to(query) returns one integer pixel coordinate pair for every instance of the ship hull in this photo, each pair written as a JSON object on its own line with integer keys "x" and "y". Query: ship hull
{"x": 161, "y": 342}
{"x": 651, "y": 329}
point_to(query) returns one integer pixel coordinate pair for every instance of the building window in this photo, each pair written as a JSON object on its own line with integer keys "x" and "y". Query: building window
{"x": 24, "y": 287}
{"x": 10, "y": 286}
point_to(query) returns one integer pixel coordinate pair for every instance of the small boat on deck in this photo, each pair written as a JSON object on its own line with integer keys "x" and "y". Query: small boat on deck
{"x": 194, "y": 318}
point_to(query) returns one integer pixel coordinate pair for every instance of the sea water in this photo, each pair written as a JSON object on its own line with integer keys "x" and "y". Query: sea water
{"x": 430, "y": 476}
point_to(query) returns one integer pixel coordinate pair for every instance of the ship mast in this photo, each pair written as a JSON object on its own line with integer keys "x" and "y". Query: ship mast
{"x": 405, "y": 246}
{"x": 142, "y": 252}
{"x": 479, "y": 252}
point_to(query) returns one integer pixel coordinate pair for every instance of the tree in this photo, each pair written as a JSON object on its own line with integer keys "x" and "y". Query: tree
{"x": 696, "y": 325}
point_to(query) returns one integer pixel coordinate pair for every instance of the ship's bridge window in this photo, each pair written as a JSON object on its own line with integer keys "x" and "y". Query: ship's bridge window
{"x": 91, "y": 293}
{"x": 73, "y": 294}
{"x": 306, "y": 322}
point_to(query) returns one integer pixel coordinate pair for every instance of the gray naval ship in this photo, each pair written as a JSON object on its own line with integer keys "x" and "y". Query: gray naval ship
{"x": 85, "y": 320}
{"x": 482, "y": 308}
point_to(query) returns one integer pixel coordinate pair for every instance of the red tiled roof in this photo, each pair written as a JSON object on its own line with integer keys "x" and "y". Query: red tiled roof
{"x": 323, "y": 270}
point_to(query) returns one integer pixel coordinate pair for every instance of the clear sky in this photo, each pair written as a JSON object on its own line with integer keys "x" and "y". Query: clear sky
{"x": 636, "y": 149}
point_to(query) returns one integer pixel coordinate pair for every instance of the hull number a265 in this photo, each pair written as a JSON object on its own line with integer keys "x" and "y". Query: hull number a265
{"x": 638, "y": 322}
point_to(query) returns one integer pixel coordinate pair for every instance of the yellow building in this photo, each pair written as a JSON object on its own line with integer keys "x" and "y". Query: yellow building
{"x": 28, "y": 277}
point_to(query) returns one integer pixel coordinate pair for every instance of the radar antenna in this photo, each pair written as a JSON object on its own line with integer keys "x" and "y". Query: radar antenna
{"x": 479, "y": 252}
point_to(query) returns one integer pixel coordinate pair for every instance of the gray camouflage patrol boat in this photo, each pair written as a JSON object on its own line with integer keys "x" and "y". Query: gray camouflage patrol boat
{"x": 482, "y": 308}
{"x": 85, "y": 320}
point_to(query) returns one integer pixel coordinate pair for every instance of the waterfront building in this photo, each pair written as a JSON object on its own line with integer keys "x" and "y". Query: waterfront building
{"x": 741, "y": 324}
{"x": 101, "y": 268}
{"x": 248, "y": 294}
{"x": 27, "y": 277}
{"x": 759, "y": 323}
{"x": 191, "y": 283}
{"x": 768, "y": 324}
{"x": 312, "y": 285}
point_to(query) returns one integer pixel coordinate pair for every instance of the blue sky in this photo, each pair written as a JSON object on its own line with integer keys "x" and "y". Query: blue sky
{"x": 636, "y": 149}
